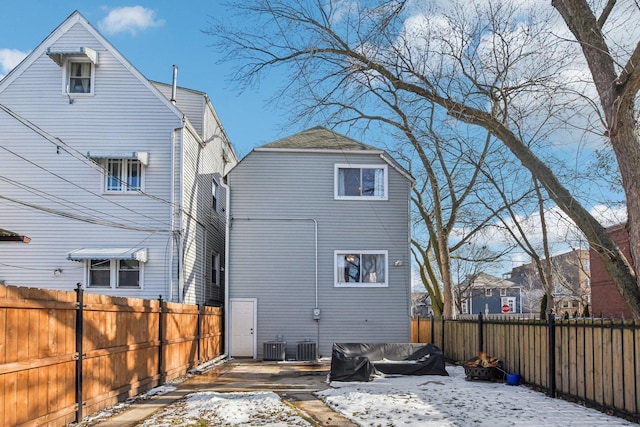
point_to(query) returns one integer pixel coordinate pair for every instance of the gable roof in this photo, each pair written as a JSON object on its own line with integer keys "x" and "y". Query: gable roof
{"x": 321, "y": 139}
{"x": 484, "y": 280}
{"x": 63, "y": 28}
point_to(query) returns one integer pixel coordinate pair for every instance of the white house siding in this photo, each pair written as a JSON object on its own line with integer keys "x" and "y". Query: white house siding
{"x": 271, "y": 260}
{"x": 203, "y": 162}
{"x": 123, "y": 115}
{"x": 190, "y": 102}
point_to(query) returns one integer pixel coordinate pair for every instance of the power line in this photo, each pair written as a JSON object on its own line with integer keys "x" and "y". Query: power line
{"x": 90, "y": 220}
{"x": 77, "y": 185}
{"x": 70, "y": 149}
{"x": 62, "y": 201}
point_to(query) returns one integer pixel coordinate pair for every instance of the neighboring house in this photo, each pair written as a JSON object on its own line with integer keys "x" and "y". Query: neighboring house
{"x": 570, "y": 272}
{"x": 318, "y": 245}
{"x": 421, "y": 304}
{"x": 486, "y": 294}
{"x": 606, "y": 300}
{"x": 116, "y": 179}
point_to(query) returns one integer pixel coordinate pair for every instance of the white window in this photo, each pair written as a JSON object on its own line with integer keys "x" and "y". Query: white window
{"x": 361, "y": 268}
{"x": 465, "y": 307}
{"x": 503, "y": 292}
{"x": 510, "y": 302}
{"x": 214, "y": 195}
{"x": 487, "y": 292}
{"x": 215, "y": 269}
{"x": 360, "y": 182}
{"x": 122, "y": 175}
{"x": 110, "y": 273}
{"x": 79, "y": 77}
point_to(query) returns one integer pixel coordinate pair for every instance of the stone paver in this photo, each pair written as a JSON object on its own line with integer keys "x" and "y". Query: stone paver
{"x": 294, "y": 382}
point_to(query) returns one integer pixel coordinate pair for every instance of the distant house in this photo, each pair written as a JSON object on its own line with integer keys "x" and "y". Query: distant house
{"x": 570, "y": 272}
{"x": 606, "y": 300}
{"x": 318, "y": 245}
{"x": 116, "y": 179}
{"x": 421, "y": 304}
{"x": 486, "y": 294}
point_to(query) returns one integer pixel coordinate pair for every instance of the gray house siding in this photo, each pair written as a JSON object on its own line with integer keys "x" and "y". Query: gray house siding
{"x": 273, "y": 259}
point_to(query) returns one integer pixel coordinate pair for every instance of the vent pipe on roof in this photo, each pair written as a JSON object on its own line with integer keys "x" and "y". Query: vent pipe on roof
{"x": 175, "y": 83}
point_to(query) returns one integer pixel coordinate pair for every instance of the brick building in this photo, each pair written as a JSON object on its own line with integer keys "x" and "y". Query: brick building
{"x": 606, "y": 301}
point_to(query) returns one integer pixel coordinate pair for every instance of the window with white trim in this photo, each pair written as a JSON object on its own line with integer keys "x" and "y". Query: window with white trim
{"x": 79, "y": 77}
{"x": 503, "y": 292}
{"x": 357, "y": 182}
{"x": 123, "y": 175}
{"x": 114, "y": 273}
{"x": 214, "y": 195}
{"x": 361, "y": 268}
{"x": 215, "y": 269}
{"x": 487, "y": 292}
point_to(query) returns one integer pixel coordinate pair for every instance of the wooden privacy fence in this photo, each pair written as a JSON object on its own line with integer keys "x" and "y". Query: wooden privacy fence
{"x": 65, "y": 355}
{"x": 593, "y": 361}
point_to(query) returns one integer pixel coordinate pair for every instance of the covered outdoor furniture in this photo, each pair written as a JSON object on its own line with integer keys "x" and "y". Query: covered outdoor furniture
{"x": 358, "y": 361}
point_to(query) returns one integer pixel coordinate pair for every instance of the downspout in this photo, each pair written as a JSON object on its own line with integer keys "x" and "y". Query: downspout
{"x": 181, "y": 234}
{"x": 227, "y": 229}
{"x": 172, "y": 220}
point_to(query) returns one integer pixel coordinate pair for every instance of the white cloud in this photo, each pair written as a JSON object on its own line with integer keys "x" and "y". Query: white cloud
{"x": 130, "y": 19}
{"x": 9, "y": 58}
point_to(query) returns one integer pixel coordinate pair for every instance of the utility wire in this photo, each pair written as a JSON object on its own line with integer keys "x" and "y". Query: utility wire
{"x": 90, "y": 220}
{"x": 70, "y": 149}
{"x": 67, "y": 203}
{"x": 77, "y": 185}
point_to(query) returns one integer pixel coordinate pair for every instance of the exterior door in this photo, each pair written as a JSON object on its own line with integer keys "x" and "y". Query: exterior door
{"x": 243, "y": 327}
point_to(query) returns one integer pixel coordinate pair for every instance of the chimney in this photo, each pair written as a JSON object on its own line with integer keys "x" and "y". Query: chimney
{"x": 174, "y": 86}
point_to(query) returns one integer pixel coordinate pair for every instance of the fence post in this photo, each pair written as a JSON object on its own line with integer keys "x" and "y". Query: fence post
{"x": 552, "y": 353}
{"x": 480, "y": 334}
{"x": 79, "y": 355}
{"x": 432, "y": 337}
{"x": 442, "y": 333}
{"x": 199, "y": 332}
{"x": 160, "y": 341}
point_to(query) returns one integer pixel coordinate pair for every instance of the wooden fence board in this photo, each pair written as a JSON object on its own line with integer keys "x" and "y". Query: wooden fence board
{"x": 121, "y": 344}
{"x": 617, "y": 365}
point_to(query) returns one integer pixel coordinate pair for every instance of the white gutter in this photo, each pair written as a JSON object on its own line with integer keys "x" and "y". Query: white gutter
{"x": 227, "y": 228}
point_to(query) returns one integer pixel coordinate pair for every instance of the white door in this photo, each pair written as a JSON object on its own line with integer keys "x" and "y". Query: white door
{"x": 243, "y": 324}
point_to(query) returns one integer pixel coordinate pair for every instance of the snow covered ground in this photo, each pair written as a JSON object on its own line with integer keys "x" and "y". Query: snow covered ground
{"x": 391, "y": 401}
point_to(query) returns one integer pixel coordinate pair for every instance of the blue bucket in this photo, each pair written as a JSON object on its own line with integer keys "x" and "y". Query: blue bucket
{"x": 513, "y": 379}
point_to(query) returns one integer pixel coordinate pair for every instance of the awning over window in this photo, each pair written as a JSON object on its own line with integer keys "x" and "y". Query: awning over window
{"x": 60, "y": 55}
{"x": 142, "y": 156}
{"x": 10, "y": 236}
{"x": 139, "y": 254}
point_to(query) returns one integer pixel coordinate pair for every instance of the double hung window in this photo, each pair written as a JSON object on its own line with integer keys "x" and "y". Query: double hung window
{"x": 79, "y": 77}
{"x": 360, "y": 182}
{"x": 123, "y": 175}
{"x": 110, "y": 273}
{"x": 361, "y": 269}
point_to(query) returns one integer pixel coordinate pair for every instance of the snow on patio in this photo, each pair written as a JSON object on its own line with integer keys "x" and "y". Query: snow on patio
{"x": 392, "y": 401}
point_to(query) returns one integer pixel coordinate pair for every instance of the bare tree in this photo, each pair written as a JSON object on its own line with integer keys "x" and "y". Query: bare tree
{"x": 488, "y": 67}
{"x": 616, "y": 76}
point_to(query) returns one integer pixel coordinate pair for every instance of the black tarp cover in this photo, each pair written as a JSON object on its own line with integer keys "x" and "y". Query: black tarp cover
{"x": 358, "y": 361}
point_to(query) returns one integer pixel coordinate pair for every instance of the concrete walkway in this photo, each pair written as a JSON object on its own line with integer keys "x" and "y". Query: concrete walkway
{"x": 295, "y": 382}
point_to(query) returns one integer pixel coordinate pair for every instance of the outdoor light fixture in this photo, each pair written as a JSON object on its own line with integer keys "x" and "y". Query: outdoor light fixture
{"x": 57, "y": 272}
